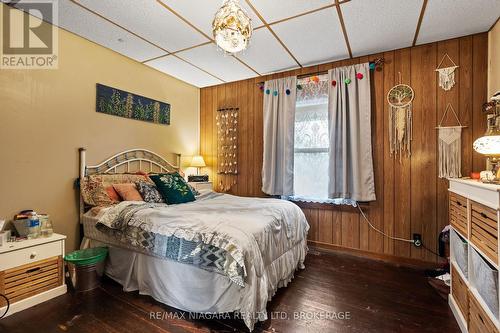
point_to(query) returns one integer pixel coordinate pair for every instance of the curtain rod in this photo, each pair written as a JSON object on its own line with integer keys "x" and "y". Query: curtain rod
{"x": 377, "y": 62}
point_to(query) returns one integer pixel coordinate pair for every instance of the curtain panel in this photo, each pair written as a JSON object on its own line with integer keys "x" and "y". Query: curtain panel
{"x": 279, "y": 124}
{"x": 349, "y": 123}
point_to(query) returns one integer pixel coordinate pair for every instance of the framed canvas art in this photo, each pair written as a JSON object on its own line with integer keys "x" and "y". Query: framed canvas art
{"x": 120, "y": 103}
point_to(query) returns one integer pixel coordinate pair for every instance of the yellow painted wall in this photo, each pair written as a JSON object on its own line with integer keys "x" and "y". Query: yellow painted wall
{"x": 494, "y": 60}
{"x": 46, "y": 115}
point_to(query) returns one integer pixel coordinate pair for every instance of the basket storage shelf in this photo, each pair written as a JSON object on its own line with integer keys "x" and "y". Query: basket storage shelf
{"x": 474, "y": 213}
{"x": 485, "y": 280}
{"x": 459, "y": 251}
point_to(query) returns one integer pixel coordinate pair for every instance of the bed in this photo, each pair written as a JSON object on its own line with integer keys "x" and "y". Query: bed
{"x": 218, "y": 254}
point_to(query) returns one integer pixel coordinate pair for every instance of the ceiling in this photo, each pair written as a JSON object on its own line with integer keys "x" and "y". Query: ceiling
{"x": 174, "y": 36}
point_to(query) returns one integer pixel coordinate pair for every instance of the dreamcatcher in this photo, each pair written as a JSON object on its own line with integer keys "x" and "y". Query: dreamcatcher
{"x": 400, "y": 99}
{"x": 446, "y": 74}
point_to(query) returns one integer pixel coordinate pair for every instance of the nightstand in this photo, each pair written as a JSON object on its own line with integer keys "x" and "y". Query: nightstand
{"x": 31, "y": 272}
{"x": 202, "y": 185}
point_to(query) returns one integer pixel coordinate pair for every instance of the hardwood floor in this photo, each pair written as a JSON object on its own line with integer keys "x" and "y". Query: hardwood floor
{"x": 372, "y": 296}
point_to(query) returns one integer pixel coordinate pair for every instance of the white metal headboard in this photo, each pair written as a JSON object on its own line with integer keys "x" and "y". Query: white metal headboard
{"x": 127, "y": 161}
{"x": 145, "y": 158}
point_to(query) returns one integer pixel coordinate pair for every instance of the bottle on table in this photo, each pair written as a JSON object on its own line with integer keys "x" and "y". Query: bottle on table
{"x": 33, "y": 225}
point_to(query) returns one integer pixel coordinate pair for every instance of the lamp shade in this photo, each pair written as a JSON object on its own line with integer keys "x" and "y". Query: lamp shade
{"x": 198, "y": 162}
{"x": 488, "y": 145}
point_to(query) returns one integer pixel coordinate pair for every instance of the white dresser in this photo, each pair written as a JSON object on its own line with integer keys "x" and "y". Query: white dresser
{"x": 31, "y": 272}
{"x": 474, "y": 215}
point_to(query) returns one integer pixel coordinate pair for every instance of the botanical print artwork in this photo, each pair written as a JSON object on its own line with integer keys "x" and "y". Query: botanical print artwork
{"x": 124, "y": 104}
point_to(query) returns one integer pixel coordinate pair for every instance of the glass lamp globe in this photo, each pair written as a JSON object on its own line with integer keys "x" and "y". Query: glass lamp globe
{"x": 231, "y": 27}
{"x": 488, "y": 145}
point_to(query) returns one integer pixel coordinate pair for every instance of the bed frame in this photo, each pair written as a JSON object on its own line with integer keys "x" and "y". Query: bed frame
{"x": 127, "y": 161}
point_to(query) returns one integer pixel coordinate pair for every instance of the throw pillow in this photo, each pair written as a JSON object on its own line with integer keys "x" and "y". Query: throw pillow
{"x": 149, "y": 192}
{"x": 195, "y": 192}
{"x": 112, "y": 194}
{"x": 128, "y": 192}
{"x": 173, "y": 188}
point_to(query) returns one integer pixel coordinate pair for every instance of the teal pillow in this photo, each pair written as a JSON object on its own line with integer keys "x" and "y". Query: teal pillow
{"x": 173, "y": 188}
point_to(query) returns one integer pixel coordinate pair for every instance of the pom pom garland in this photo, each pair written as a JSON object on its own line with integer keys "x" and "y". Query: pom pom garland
{"x": 359, "y": 76}
{"x": 288, "y": 91}
{"x": 268, "y": 91}
{"x": 347, "y": 81}
{"x": 334, "y": 83}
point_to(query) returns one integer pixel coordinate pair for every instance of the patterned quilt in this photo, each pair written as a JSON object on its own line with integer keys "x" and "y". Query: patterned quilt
{"x": 130, "y": 227}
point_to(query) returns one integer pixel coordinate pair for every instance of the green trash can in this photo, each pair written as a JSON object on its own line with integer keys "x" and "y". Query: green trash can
{"x": 86, "y": 267}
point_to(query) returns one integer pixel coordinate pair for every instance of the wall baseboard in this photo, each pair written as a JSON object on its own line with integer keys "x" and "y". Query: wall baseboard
{"x": 399, "y": 261}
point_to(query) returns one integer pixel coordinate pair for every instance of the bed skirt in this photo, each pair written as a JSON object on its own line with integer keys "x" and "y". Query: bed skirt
{"x": 195, "y": 290}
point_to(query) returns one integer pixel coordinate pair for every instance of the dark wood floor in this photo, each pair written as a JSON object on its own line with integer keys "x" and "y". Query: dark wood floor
{"x": 377, "y": 297}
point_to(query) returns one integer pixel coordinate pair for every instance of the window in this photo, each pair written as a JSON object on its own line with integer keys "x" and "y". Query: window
{"x": 311, "y": 140}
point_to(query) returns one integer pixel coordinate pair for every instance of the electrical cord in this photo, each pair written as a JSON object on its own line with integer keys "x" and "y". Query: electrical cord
{"x": 380, "y": 231}
{"x": 431, "y": 251}
{"x": 391, "y": 237}
{"x": 8, "y": 305}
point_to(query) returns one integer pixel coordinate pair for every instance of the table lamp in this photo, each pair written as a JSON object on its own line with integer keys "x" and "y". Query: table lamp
{"x": 489, "y": 145}
{"x": 198, "y": 162}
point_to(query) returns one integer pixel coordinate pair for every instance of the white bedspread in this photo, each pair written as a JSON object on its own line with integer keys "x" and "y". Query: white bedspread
{"x": 266, "y": 236}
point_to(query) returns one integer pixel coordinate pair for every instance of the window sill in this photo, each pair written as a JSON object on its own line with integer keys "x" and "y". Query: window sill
{"x": 328, "y": 206}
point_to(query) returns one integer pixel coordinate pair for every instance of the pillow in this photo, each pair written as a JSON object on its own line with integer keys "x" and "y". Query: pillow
{"x": 93, "y": 187}
{"x": 195, "y": 192}
{"x": 110, "y": 190}
{"x": 173, "y": 188}
{"x": 149, "y": 192}
{"x": 128, "y": 192}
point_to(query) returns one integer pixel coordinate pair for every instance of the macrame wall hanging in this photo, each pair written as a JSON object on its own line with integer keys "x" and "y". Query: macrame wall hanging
{"x": 400, "y": 99}
{"x": 450, "y": 147}
{"x": 227, "y": 147}
{"x": 446, "y": 74}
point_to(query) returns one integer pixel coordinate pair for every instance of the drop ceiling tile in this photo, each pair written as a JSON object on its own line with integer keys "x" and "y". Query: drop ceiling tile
{"x": 87, "y": 25}
{"x": 150, "y": 20}
{"x": 183, "y": 71}
{"x": 202, "y": 13}
{"x": 375, "y": 26}
{"x": 277, "y": 10}
{"x": 265, "y": 54}
{"x": 446, "y": 19}
{"x": 314, "y": 38}
{"x": 217, "y": 63}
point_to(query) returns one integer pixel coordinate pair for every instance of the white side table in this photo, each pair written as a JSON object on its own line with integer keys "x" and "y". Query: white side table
{"x": 202, "y": 185}
{"x": 31, "y": 272}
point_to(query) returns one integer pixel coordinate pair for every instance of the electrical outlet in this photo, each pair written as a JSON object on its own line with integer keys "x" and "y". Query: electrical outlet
{"x": 417, "y": 240}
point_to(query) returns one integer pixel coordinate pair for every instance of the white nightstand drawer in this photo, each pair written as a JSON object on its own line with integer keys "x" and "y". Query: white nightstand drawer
{"x": 199, "y": 186}
{"x": 30, "y": 254}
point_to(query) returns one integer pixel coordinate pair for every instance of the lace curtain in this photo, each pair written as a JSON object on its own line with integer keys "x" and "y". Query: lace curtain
{"x": 311, "y": 142}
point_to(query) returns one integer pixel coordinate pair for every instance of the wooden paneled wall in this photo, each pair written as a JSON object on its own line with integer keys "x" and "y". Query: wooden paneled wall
{"x": 410, "y": 196}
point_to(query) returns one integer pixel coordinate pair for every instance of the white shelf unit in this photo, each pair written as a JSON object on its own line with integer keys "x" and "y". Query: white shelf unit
{"x": 474, "y": 215}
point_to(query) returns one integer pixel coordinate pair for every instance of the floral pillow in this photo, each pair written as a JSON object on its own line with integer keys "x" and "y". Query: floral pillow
{"x": 173, "y": 188}
{"x": 149, "y": 192}
{"x": 94, "y": 187}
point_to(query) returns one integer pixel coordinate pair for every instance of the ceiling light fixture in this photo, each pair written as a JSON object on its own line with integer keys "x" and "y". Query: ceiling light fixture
{"x": 232, "y": 28}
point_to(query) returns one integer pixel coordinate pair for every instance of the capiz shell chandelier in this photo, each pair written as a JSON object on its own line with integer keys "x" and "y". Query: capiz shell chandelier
{"x": 232, "y": 28}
